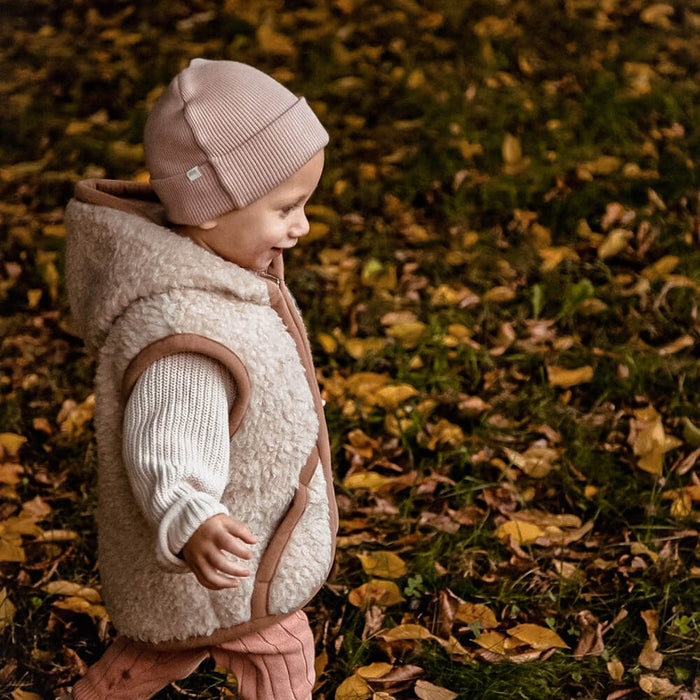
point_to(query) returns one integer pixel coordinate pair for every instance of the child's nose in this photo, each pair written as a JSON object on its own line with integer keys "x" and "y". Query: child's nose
{"x": 301, "y": 225}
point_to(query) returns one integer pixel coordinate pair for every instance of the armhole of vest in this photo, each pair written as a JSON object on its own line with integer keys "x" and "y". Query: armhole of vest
{"x": 193, "y": 343}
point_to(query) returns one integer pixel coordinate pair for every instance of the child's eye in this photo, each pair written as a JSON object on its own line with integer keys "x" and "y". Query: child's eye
{"x": 288, "y": 209}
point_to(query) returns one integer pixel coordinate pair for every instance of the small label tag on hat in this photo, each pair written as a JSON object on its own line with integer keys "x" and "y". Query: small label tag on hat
{"x": 194, "y": 174}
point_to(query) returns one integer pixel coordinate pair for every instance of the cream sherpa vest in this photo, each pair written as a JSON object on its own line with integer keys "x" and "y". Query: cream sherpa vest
{"x": 139, "y": 292}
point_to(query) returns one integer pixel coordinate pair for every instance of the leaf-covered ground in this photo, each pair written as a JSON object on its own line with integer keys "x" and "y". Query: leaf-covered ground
{"x": 501, "y": 287}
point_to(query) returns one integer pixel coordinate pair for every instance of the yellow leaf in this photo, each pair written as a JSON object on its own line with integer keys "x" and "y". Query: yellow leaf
{"x": 615, "y": 242}
{"x": 511, "y": 150}
{"x": 365, "y": 480}
{"x": 72, "y": 417}
{"x": 537, "y": 637}
{"x": 661, "y": 268}
{"x": 353, "y": 688}
{"x": 376, "y": 592}
{"x": 649, "y": 440}
{"x": 445, "y": 433}
{"x": 328, "y": 343}
{"x": 7, "y": 610}
{"x": 408, "y": 333}
{"x": 685, "y": 341}
{"x": 357, "y": 348}
{"x": 375, "y": 670}
{"x": 19, "y": 525}
{"x": 536, "y": 462}
{"x": 366, "y": 384}
{"x": 408, "y": 632}
{"x": 469, "y": 150}
{"x": 492, "y": 641}
{"x": 69, "y": 588}
{"x": 658, "y": 687}
{"x": 80, "y": 605}
{"x": 658, "y": 14}
{"x": 19, "y": 694}
{"x": 476, "y": 612}
{"x": 416, "y": 79}
{"x": 604, "y": 165}
{"x": 361, "y": 444}
{"x": 560, "y": 376}
{"x": 615, "y": 669}
{"x": 553, "y": 256}
{"x": 11, "y": 442}
{"x": 36, "y": 509}
{"x": 521, "y": 532}
{"x": 34, "y": 297}
{"x": 273, "y": 42}
{"x": 10, "y": 473}
{"x": 499, "y": 294}
{"x": 389, "y": 397}
{"x": 383, "y": 563}
{"x": 11, "y": 549}
{"x": 428, "y": 691}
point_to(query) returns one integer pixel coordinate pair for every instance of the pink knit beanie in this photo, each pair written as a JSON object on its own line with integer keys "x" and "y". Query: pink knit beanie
{"x": 222, "y": 135}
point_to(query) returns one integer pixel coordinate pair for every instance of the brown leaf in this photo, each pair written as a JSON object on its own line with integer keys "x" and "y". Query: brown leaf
{"x": 658, "y": 687}
{"x": 560, "y": 376}
{"x": 470, "y": 613}
{"x": 376, "y": 592}
{"x": 428, "y": 691}
{"x": 7, "y": 610}
{"x": 615, "y": 669}
{"x": 353, "y": 688}
{"x": 591, "y": 641}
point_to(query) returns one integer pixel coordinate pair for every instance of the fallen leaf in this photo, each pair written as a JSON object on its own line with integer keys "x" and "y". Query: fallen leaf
{"x": 383, "y": 563}
{"x": 372, "y": 481}
{"x": 537, "y": 637}
{"x": 521, "y": 532}
{"x": 536, "y": 462}
{"x": 376, "y": 592}
{"x": 470, "y": 613}
{"x": 407, "y": 333}
{"x": 560, "y": 376}
{"x": 649, "y": 440}
{"x": 80, "y": 605}
{"x": 649, "y": 657}
{"x": 353, "y": 688}
{"x": 428, "y": 691}
{"x": 68, "y": 588}
{"x": 375, "y": 670}
{"x": 445, "y": 433}
{"x": 273, "y": 42}
{"x": 658, "y": 687}
{"x": 19, "y": 694}
{"x": 11, "y": 442}
{"x": 615, "y": 242}
{"x": 492, "y": 641}
{"x": 389, "y": 397}
{"x": 407, "y": 631}
{"x": 7, "y": 610}
{"x": 615, "y": 669}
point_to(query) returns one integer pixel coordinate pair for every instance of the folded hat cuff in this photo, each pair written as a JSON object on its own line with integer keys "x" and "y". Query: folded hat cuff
{"x": 237, "y": 178}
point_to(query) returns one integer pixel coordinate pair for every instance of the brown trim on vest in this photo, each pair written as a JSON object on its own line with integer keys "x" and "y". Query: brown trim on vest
{"x": 267, "y": 568}
{"x": 283, "y": 305}
{"x": 192, "y": 342}
{"x": 136, "y": 198}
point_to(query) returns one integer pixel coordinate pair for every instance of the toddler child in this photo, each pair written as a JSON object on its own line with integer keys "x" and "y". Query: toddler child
{"x": 216, "y": 515}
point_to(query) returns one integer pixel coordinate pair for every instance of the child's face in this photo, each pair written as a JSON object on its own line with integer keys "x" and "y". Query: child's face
{"x": 251, "y": 237}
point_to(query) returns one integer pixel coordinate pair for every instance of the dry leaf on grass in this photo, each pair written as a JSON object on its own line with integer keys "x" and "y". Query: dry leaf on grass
{"x": 428, "y": 691}
{"x": 384, "y": 564}
{"x": 376, "y": 592}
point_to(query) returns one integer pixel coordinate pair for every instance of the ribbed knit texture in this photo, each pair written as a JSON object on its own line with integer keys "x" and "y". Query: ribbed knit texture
{"x": 244, "y": 132}
{"x": 176, "y": 446}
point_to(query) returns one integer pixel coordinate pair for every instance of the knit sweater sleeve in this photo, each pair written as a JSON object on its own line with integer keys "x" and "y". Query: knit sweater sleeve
{"x": 176, "y": 446}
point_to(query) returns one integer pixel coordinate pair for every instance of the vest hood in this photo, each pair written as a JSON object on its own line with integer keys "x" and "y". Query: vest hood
{"x": 119, "y": 250}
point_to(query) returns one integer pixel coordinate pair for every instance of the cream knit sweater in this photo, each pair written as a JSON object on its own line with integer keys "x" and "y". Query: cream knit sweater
{"x": 176, "y": 445}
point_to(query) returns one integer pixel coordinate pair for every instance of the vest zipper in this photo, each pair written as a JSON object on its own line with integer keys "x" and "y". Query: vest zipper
{"x": 271, "y": 278}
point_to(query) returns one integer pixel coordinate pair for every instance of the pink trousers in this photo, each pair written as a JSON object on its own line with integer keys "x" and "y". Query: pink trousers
{"x": 274, "y": 664}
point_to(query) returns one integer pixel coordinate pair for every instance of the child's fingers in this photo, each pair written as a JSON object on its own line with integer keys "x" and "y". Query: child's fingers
{"x": 240, "y": 530}
{"x": 219, "y": 561}
{"x": 215, "y": 581}
{"x": 232, "y": 544}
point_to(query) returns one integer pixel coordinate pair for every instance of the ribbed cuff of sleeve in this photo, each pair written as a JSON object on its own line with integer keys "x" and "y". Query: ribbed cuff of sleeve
{"x": 179, "y": 524}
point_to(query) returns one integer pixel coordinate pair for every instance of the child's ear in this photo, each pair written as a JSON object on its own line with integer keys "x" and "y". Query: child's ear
{"x": 208, "y": 225}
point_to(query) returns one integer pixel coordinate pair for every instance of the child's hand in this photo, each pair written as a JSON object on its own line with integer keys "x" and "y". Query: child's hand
{"x": 204, "y": 552}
